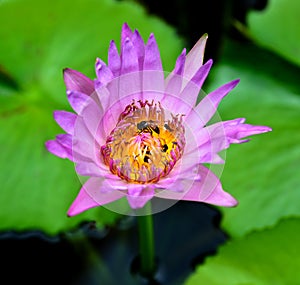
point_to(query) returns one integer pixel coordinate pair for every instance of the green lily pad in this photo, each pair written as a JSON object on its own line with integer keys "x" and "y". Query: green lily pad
{"x": 261, "y": 258}
{"x": 262, "y": 174}
{"x": 277, "y": 28}
{"x": 40, "y": 39}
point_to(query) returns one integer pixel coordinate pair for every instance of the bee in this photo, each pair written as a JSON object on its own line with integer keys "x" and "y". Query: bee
{"x": 148, "y": 126}
{"x": 165, "y": 148}
{"x": 167, "y": 127}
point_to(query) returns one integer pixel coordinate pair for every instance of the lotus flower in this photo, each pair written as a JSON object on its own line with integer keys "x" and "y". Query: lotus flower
{"x": 139, "y": 134}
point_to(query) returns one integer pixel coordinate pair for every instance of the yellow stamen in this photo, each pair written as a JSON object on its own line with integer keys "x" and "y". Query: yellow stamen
{"x": 143, "y": 147}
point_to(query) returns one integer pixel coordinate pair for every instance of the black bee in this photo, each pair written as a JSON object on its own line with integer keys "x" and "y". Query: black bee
{"x": 164, "y": 148}
{"x": 167, "y": 127}
{"x": 148, "y": 126}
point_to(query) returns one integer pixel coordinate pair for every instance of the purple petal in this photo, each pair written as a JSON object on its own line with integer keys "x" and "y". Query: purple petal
{"x": 152, "y": 59}
{"x": 108, "y": 98}
{"x": 129, "y": 87}
{"x": 91, "y": 195}
{"x": 173, "y": 86}
{"x": 84, "y": 151}
{"x": 95, "y": 170}
{"x": 65, "y": 140}
{"x": 202, "y": 73}
{"x": 153, "y": 85}
{"x": 114, "y": 59}
{"x": 208, "y": 105}
{"x": 66, "y": 120}
{"x": 183, "y": 174}
{"x": 208, "y": 190}
{"x": 93, "y": 119}
{"x": 77, "y": 150}
{"x": 194, "y": 58}
{"x": 59, "y": 150}
{"x": 179, "y": 66}
{"x": 82, "y": 132}
{"x": 236, "y": 133}
{"x": 139, "y": 195}
{"x": 78, "y": 100}
{"x": 182, "y": 101}
{"x": 217, "y": 137}
{"x": 103, "y": 72}
{"x": 125, "y": 33}
{"x": 174, "y": 79}
{"x": 86, "y": 107}
{"x": 177, "y": 104}
{"x": 129, "y": 57}
{"x": 77, "y": 81}
{"x": 139, "y": 46}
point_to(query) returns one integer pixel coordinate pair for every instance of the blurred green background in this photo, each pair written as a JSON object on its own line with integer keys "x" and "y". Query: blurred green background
{"x": 257, "y": 41}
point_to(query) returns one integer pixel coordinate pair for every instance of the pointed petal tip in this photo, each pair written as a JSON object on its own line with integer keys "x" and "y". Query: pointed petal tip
{"x": 267, "y": 129}
{"x": 229, "y": 86}
{"x": 57, "y": 149}
{"x": 81, "y": 203}
{"x": 125, "y": 26}
{"x": 221, "y": 199}
{"x": 66, "y": 69}
{"x": 151, "y": 36}
{"x": 210, "y": 61}
{"x": 126, "y": 32}
{"x": 235, "y": 82}
{"x": 75, "y": 80}
{"x": 47, "y": 144}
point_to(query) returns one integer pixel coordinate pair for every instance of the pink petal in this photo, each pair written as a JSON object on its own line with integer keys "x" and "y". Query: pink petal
{"x": 93, "y": 119}
{"x": 65, "y": 140}
{"x": 236, "y": 133}
{"x": 139, "y": 195}
{"x": 66, "y": 120}
{"x": 77, "y": 81}
{"x": 217, "y": 137}
{"x": 152, "y": 59}
{"x": 59, "y": 150}
{"x": 114, "y": 60}
{"x": 78, "y": 100}
{"x": 78, "y": 147}
{"x": 82, "y": 132}
{"x": 103, "y": 72}
{"x": 178, "y": 104}
{"x": 184, "y": 173}
{"x": 208, "y": 190}
{"x": 129, "y": 87}
{"x": 94, "y": 170}
{"x": 181, "y": 101}
{"x": 125, "y": 33}
{"x": 179, "y": 66}
{"x": 78, "y": 150}
{"x": 91, "y": 195}
{"x": 139, "y": 47}
{"x": 129, "y": 57}
{"x": 208, "y": 106}
{"x": 174, "y": 79}
{"x": 173, "y": 87}
{"x": 202, "y": 73}
{"x": 85, "y": 151}
{"x": 153, "y": 85}
{"x": 108, "y": 97}
{"x": 194, "y": 58}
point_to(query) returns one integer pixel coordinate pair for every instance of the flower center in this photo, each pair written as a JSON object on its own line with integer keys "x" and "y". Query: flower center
{"x": 144, "y": 147}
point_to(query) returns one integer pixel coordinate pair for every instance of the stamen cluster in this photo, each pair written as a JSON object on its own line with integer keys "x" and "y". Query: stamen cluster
{"x": 144, "y": 146}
